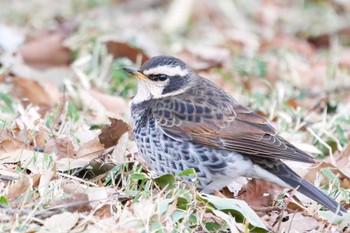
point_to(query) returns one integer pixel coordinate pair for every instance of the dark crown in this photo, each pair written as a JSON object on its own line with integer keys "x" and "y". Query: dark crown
{"x": 162, "y": 61}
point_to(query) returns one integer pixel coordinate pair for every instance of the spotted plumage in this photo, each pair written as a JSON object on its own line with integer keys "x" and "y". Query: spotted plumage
{"x": 181, "y": 120}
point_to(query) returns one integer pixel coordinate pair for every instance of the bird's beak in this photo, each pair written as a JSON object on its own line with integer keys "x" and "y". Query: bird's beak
{"x": 134, "y": 72}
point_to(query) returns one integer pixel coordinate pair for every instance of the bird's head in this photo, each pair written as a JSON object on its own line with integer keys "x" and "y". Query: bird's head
{"x": 161, "y": 76}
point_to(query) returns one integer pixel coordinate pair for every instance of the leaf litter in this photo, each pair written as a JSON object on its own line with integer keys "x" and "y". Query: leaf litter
{"x": 61, "y": 82}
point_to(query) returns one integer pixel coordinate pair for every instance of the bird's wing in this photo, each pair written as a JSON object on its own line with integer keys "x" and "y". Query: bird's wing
{"x": 218, "y": 125}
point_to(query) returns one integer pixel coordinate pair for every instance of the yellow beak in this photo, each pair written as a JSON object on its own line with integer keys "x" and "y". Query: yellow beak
{"x": 134, "y": 72}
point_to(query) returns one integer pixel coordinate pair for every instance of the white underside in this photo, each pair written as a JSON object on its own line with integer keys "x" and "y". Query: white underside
{"x": 237, "y": 168}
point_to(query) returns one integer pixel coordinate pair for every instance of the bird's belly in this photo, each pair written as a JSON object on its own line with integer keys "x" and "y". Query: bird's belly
{"x": 215, "y": 168}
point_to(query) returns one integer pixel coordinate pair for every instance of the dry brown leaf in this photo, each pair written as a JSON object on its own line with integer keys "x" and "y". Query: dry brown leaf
{"x": 96, "y": 195}
{"x": 122, "y": 49}
{"x": 78, "y": 202}
{"x": 103, "y": 211}
{"x": 63, "y": 222}
{"x": 62, "y": 146}
{"x": 36, "y": 179}
{"x": 67, "y": 164}
{"x": 312, "y": 174}
{"x": 46, "y": 51}
{"x": 294, "y": 44}
{"x": 110, "y": 134}
{"x": 90, "y": 149}
{"x": 203, "y": 58}
{"x": 41, "y": 136}
{"x": 8, "y": 146}
{"x": 19, "y": 187}
{"x": 44, "y": 182}
{"x": 119, "y": 151}
{"x": 294, "y": 222}
{"x": 113, "y": 104}
{"x": 32, "y": 90}
{"x": 292, "y": 103}
{"x": 259, "y": 193}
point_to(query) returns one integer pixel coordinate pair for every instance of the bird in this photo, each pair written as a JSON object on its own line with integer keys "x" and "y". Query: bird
{"x": 181, "y": 120}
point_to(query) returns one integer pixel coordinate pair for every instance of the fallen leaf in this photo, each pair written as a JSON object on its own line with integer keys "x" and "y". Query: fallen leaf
{"x": 90, "y": 149}
{"x": 78, "y": 202}
{"x": 19, "y": 187}
{"x": 312, "y": 174}
{"x": 8, "y": 145}
{"x": 119, "y": 152}
{"x": 297, "y": 222}
{"x": 45, "y": 51}
{"x": 63, "y": 222}
{"x": 28, "y": 159}
{"x": 259, "y": 193}
{"x": 110, "y": 134}
{"x": 44, "y": 182}
{"x": 292, "y": 103}
{"x": 203, "y": 58}
{"x": 67, "y": 164}
{"x": 97, "y": 195}
{"x": 103, "y": 211}
{"x": 32, "y": 90}
{"x": 121, "y": 49}
{"x": 62, "y": 146}
{"x": 113, "y": 104}
{"x": 294, "y": 44}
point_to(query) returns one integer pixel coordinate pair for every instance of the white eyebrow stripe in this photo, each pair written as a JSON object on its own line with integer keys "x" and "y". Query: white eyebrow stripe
{"x": 168, "y": 70}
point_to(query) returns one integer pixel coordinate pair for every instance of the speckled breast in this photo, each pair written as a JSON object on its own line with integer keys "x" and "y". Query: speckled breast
{"x": 166, "y": 155}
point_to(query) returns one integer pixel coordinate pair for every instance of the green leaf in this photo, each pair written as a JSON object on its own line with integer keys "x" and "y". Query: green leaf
{"x": 72, "y": 111}
{"x": 332, "y": 217}
{"x": 212, "y": 226}
{"x": 138, "y": 176}
{"x": 327, "y": 172}
{"x": 167, "y": 181}
{"x": 163, "y": 205}
{"x": 8, "y": 102}
{"x": 156, "y": 227}
{"x": 111, "y": 174}
{"x": 182, "y": 203}
{"x": 3, "y": 200}
{"x": 186, "y": 172}
{"x": 342, "y": 137}
{"x": 238, "y": 209}
{"x": 178, "y": 215}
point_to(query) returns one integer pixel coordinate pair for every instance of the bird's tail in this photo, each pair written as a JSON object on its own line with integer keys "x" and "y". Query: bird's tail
{"x": 286, "y": 174}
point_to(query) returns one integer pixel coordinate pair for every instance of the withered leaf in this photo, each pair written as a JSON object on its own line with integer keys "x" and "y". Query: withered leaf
{"x": 19, "y": 187}
{"x": 110, "y": 134}
{"x": 259, "y": 193}
{"x": 32, "y": 90}
{"x": 122, "y": 49}
{"x": 46, "y": 51}
{"x": 78, "y": 202}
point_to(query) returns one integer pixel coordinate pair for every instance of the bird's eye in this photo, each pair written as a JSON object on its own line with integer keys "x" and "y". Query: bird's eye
{"x": 162, "y": 77}
{"x": 158, "y": 77}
